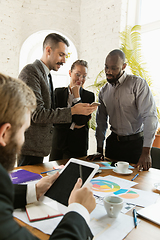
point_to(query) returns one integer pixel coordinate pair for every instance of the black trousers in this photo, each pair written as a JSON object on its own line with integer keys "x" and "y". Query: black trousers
{"x": 129, "y": 151}
{"x": 58, "y": 154}
{"x": 29, "y": 160}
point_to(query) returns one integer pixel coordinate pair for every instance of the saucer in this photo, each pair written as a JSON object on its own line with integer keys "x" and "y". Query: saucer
{"x": 157, "y": 186}
{"x": 124, "y": 173}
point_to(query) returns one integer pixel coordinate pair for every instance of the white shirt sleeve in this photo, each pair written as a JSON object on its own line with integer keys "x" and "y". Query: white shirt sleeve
{"x": 31, "y": 193}
{"x": 76, "y": 207}
{"x": 75, "y": 100}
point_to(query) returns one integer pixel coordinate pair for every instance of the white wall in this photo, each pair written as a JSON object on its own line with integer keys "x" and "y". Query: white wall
{"x": 19, "y": 19}
{"x": 101, "y": 22}
{"x": 92, "y": 25}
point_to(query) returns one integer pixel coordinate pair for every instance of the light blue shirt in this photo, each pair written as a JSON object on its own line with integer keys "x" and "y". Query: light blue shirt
{"x": 130, "y": 107}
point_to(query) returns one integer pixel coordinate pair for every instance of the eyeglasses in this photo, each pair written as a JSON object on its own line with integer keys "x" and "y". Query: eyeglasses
{"x": 81, "y": 76}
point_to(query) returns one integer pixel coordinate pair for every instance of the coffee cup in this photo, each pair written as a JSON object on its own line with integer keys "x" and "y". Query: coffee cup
{"x": 121, "y": 166}
{"x": 113, "y": 205}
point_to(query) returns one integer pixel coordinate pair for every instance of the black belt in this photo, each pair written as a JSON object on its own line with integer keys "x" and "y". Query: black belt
{"x": 129, "y": 137}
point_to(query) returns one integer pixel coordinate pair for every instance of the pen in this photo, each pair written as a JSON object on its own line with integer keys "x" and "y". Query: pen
{"x": 50, "y": 171}
{"x": 135, "y": 217}
{"x": 135, "y": 176}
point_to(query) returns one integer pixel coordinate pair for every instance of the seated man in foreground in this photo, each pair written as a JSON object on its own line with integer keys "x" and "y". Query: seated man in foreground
{"x": 17, "y": 101}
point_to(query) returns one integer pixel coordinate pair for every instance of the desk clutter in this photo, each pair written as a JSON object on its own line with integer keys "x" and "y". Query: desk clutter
{"x": 115, "y": 228}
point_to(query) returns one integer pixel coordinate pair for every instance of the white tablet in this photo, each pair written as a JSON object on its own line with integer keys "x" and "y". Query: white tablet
{"x": 62, "y": 187}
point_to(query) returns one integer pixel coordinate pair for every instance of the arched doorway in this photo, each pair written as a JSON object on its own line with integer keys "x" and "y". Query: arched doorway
{"x": 32, "y": 50}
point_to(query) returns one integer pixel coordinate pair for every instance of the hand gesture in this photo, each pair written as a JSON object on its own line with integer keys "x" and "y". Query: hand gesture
{"x": 75, "y": 91}
{"x": 83, "y": 195}
{"x": 145, "y": 161}
{"x": 83, "y": 109}
{"x": 44, "y": 184}
{"x": 96, "y": 156}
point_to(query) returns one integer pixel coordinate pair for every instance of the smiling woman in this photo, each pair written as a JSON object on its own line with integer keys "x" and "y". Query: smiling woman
{"x": 71, "y": 140}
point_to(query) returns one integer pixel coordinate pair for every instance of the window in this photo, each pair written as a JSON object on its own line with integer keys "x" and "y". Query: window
{"x": 149, "y": 19}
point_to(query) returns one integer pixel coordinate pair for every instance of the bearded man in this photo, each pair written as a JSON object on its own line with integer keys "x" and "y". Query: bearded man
{"x": 17, "y": 102}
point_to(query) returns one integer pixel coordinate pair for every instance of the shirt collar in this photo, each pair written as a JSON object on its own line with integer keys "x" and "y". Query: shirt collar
{"x": 46, "y": 69}
{"x": 121, "y": 79}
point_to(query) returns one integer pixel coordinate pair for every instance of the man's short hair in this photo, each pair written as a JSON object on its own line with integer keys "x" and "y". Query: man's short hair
{"x": 15, "y": 99}
{"x": 79, "y": 62}
{"x": 118, "y": 52}
{"x": 53, "y": 39}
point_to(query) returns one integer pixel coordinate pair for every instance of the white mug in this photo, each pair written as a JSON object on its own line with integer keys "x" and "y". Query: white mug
{"x": 113, "y": 205}
{"x": 121, "y": 166}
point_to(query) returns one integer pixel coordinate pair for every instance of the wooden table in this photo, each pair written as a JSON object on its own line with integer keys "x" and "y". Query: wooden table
{"x": 145, "y": 230}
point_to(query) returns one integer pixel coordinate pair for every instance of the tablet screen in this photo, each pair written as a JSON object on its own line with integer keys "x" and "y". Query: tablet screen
{"x": 62, "y": 187}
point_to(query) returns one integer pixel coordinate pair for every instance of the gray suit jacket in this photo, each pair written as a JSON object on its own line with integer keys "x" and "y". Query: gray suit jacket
{"x": 39, "y": 136}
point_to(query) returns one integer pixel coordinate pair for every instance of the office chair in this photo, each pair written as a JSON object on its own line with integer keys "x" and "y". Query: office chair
{"x": 155, "y": 155}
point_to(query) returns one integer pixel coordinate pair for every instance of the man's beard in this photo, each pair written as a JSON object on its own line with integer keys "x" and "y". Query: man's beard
{"x": 114, "y": 80}
{"x": 9, "y": 154}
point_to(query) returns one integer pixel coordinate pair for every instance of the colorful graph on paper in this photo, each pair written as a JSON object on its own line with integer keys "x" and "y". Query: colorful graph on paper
{"x": 110, "y": 185}
{"x": 125, "y": 193}
{"x": 101, "y": 185}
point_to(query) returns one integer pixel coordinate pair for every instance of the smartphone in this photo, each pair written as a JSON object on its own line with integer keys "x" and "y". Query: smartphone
{"x": 95, "y": 104}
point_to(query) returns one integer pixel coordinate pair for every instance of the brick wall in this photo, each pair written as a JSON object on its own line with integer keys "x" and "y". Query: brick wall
{"x": 19, "y": 19}
{"x": 101, "y": 22}
{"x": 92, "y": 25}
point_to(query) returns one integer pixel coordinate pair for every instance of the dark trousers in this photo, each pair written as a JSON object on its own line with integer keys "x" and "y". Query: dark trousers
{"x": 58, "y": 154}
{"x": 29, "y": 160}
{"x": 129, "y": 151}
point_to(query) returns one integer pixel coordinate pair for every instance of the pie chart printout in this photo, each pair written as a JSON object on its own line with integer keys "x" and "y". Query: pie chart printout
{"x": 125, "y": 193}
{"x": 101, "y": 185}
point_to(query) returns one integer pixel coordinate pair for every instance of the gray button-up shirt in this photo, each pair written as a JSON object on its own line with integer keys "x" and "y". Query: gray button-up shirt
{"x": 130, "y": 107}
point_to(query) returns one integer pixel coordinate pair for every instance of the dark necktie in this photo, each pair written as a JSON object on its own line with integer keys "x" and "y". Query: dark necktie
{"x": 51, "y": 90}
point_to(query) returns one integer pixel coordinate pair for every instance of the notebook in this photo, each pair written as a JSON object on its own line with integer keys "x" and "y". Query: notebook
{"x": 21, "y": 176}
{"x": 151, "y": 213}
{"x": 39, "y": 211}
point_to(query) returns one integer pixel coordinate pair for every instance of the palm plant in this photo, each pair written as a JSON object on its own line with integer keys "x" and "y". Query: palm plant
{"x": 131, "y": 46}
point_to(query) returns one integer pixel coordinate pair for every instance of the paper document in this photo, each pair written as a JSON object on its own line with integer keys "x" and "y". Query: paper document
{"x": 104, "y": 227}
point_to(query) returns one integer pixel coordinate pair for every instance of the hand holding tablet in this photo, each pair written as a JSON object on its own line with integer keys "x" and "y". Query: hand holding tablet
{"x": 78, "y": 193}
{"x": 63, "y": 186}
